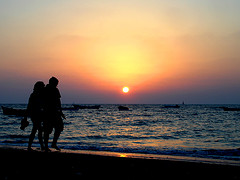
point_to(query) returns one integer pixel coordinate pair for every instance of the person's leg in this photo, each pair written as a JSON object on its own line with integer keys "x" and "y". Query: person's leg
{"x": 40, "y": 133}
{"x": 47, "y": 129}
{"x": 40, "y": 138}
{"x": 46, "y": 138}
{"x": 58, "y": 126}
{"x": 31, "y": 137}
{"x": 55, "y": 139}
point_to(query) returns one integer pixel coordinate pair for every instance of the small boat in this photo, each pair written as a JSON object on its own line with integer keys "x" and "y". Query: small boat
{"x": 86, "y": 107}
{"x": 123, "y": 108}
{"x": 171, "y": 106}
{"x": 230, "y": 109}
{"x": 12, "y": 111}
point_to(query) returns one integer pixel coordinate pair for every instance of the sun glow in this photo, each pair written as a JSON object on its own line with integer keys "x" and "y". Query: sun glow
{"x": 122, "y": 155}
{"x": 118, "y": 61}
{"x": 125, "y": 89}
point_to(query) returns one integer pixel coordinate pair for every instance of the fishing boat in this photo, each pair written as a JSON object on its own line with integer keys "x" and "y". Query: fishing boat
{"x": 123, "y": 108}
{"x": 86, "y": 107}
{"x": 12, "y": 111}
{"x": 230, "y": 109}
{"x": 171, "y": 106}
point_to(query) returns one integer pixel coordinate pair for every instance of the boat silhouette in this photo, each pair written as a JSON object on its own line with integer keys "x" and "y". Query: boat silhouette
{"x": 12, "y": 111}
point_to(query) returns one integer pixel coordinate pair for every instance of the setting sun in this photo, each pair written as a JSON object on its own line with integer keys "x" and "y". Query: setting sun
{"x": 125, "y": 89}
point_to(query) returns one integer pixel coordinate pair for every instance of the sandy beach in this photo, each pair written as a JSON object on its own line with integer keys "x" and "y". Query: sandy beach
{"x": 18, "y": 163}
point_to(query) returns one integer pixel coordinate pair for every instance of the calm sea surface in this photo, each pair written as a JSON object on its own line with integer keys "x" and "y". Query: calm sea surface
{"x": 191, "y": 130}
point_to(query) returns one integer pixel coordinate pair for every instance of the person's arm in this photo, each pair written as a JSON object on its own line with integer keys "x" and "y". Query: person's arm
{"x": 60, "y": 108}
{"x": 60, "y": 105}
{"x": 24, "y": 122}
{"x": 28, "y": 110}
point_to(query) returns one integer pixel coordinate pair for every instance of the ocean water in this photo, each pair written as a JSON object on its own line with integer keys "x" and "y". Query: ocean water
{"x": 192, "y": 130}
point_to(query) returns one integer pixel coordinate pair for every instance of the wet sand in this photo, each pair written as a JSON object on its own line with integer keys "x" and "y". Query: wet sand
{"x": 18, "y": 163}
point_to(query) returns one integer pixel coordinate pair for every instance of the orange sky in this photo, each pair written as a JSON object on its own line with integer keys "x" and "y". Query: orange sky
{"x": 164, "y": 51}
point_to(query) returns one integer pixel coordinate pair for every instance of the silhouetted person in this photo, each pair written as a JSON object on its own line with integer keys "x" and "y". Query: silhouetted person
{"x": 54, "y": 115}
{"x": 35, "y": 110}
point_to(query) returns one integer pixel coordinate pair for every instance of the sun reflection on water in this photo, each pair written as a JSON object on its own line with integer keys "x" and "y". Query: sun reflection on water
{"x": 122, "y": 155}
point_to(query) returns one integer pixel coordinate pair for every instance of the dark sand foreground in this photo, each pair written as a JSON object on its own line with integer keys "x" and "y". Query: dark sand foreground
{"x": 17, "y": 163}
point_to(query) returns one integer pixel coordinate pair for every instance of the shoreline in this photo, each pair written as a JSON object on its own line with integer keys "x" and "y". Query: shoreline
{"x": 156, "y": 157}
{"x": 135, "y": 155}
{"x": 78, "y": 164}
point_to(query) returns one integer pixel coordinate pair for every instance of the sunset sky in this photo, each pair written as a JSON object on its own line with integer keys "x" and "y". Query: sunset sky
{"x": 165, "y": 51}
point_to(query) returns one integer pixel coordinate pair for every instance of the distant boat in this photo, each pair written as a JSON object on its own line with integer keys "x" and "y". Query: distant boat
{"x": 86, "y": 107}
{"x": 12, "y": 111}
{"x": 171, "y": 106}
{"x": 123, "y": 108}
{"x": 230, "y": 109}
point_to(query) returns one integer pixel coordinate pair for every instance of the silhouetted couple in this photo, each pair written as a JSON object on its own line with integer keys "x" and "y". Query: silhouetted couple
{"x": 44, "y": 108}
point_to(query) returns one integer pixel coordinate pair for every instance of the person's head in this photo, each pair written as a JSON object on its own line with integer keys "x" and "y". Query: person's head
{"x": 53, "y": 81}
{"x": 39, "y": 86}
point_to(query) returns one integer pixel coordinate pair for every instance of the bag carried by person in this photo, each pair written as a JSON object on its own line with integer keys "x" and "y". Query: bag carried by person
{"x": 24, "y": 124}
